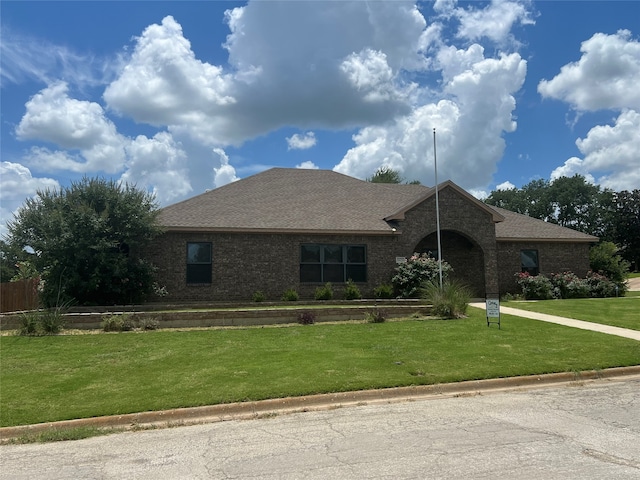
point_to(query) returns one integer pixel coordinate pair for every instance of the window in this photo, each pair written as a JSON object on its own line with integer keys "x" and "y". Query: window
{"x": 198, "y": 262}
{"x": 529, "y": 262}
{"x": 333, "y": 263}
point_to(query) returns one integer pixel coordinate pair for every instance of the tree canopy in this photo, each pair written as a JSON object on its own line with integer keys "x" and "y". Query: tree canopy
{"x": 87, "y": 241}
{"x": 575, "y": 203}
{"x": 388, "y": 175}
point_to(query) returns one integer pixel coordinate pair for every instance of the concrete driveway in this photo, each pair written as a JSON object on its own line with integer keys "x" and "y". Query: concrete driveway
{"x": 572, "y": 431}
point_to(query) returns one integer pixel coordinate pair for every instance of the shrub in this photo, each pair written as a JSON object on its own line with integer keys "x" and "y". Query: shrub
{"x": 118, "y": 323}
{"x": 534, "y": 287}
{"x": 450, "y": 301}
{"x": 307, "y": 318}
{"x": 42, "y": 322}
{"x": 259, "y": 296}
{"x": 351, "y": 291}
{"x": 325, "y": 292}
{"x": 51, "y": 321}
{"x": 383, "y": 291}
{"x": 290, "y": 295}
{"x": 568, "y": 285}
{"x": 376, "y": 315}
{"x": 604, "y": 259}
{"x": 29, "y": 324}
{"x": 600, "y": 286}
{"x": 419, "y": 269}
{"x": 149, "y": 324}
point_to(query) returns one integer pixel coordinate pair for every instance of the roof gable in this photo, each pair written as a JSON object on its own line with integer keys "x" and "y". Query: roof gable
{"x": 399, "y": 214}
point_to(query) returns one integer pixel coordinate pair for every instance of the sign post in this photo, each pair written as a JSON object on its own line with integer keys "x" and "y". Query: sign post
{"x": 493, "y": 311}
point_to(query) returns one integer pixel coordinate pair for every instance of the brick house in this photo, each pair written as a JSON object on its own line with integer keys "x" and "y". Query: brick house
{"x": 293, "y": 228}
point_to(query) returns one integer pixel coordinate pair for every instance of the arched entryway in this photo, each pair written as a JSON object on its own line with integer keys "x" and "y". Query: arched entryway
{"x": 462, "y": 253}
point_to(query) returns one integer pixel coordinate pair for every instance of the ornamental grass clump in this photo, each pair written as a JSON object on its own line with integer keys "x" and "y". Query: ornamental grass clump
{"x": 450, "y": 301}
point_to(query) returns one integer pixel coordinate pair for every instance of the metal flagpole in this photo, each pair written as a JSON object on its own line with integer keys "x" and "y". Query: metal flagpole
{"x": 435, "y": 166}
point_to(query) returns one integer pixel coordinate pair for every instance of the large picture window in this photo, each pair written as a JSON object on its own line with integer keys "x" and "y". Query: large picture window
{"x": 333, "y": 263}
{"x": 198, "y": 262}
{"x": 529, "y": 262}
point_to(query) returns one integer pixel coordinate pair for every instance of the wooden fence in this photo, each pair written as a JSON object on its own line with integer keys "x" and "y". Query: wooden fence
{"x": 20, "y": 295}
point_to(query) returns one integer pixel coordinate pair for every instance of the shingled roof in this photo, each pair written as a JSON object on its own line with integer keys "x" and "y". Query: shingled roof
{"x": 294, "y": 200}
{"x": 518, "y": 227}
{"x": 288, "y": 200}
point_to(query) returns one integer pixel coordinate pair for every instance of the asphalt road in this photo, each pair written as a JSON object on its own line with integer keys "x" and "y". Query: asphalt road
{"x": 573, "y": 431}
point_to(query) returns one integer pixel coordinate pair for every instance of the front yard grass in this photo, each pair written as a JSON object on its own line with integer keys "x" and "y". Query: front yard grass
{"x": 77, "y": 376}
{"x": 619, "y": 312}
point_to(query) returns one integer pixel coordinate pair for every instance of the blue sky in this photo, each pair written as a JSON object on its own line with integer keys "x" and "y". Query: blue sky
{"x": 180, "y": 97}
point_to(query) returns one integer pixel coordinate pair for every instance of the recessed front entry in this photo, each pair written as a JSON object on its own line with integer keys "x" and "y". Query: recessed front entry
{"x": 463, "y": 254}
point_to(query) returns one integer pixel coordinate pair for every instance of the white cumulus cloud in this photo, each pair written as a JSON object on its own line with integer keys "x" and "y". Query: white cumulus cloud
{"x": 299, "y": 141}
{"x": 605, "y": 77}
{"x": 52, "y": 116}
{"x": 308, "y": 165}
{"x": 16, "y": 185}
{"x": 158, "y": 164}
{"x": 469, "y": 124}
{"x": 225, "y": 173}
{"x": 610, "y": 154}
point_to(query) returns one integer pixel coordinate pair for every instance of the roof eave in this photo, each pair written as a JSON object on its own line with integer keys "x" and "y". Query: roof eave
{"x": 280, "y": 231}
{"x": 548, "y": 240}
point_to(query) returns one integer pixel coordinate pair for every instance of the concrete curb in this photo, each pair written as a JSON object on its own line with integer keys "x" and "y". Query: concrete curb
{"x": 279, "y": 406}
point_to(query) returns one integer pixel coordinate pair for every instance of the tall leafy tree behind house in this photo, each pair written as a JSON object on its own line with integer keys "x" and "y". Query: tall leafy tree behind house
{"x": 88, "y": 241}
{"x": 388, "y": 175}
{"x": 575, "y": 203}
{"x": 626, "y": 225}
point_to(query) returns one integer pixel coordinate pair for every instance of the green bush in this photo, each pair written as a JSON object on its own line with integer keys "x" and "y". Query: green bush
{"x": 259, "y": 296}
{"x": 351, "y": 291}
{"x": 534, "y": 287}
{"x": 118, "y": 323}
{"x": 375, "y": 315}
{"x": 29, "y": 324}
{"x": 42, "y": 322}
{"x": 600, "y": 286}
{"x": 604, "y": 259}
{"x": 419, "y": 269}
{"x": 290, "y": 295}
{"x": 450, "y": 301}
{"x": 383, "y": 291}
{"x": 325, "y": 292}
{"x": 149, "y": 324}
{"x": 568, "y": 285}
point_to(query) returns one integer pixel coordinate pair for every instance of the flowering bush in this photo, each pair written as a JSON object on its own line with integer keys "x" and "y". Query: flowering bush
{"x": 600, "y": 286}
{"x": 534, "y": 287}
{"x": 418, "y": 270}
{"x": 568, "y": 285}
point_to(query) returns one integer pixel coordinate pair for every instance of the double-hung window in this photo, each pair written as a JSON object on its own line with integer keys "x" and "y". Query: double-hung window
{"x": 333, "y": 263}
{"x": 529, "y": 262}
{"x": 198, "y": 262}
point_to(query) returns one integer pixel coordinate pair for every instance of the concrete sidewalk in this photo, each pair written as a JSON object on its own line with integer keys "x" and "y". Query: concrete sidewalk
{"x": 568, "y": 322}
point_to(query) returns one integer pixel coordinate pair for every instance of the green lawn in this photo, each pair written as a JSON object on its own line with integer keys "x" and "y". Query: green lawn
{"x": 77, "y": 376}
{"x": 620, "y": 312}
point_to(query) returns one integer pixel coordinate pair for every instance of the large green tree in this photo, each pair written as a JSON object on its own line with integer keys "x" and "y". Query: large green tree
{"x": 87, "y": 241}
{"x": 389, "y": 175}
{"x": 626, "y": 225}
{"x": 573, "y": 202}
